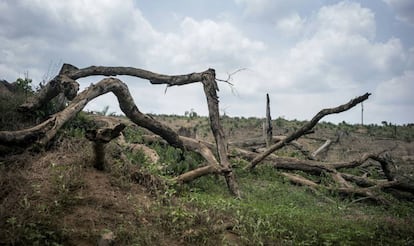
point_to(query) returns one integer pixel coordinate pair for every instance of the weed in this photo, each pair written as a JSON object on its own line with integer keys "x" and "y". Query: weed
{"x": 65, "y": 180}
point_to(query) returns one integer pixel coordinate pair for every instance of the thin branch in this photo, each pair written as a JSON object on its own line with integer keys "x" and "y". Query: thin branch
{"x": 229, "y": 76}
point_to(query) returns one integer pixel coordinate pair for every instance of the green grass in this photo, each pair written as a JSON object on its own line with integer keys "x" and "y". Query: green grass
{"x": 273, "y": 212}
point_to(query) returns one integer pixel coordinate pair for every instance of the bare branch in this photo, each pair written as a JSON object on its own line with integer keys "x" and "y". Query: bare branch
{"x": 308, "y": 126}
{"x": 229, "y": 76}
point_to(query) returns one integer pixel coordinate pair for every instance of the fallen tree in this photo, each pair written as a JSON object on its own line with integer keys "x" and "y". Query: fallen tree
{"x": 341, "y": 181}
{"x": 307, "y": 127}
{"x": 65, "y": 83}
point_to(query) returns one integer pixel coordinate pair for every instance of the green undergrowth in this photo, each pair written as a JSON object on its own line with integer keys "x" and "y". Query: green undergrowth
{"x": 273, "y": 212}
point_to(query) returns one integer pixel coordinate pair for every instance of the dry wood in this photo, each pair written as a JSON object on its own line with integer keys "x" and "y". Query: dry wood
{"x": 268, "y": 125}
{"x": 45, "y": 131}
{"x": 100, "y": 137}
{"x": 307, "y": 127}
{"x": 198, "y": 172}
{"x": 361, "y": 181}
{"x": 104, "y": 134}
{"x": 371, "y": 192}
{"x": 210, "y": 89}
{"x": 337, "y": 177}
{"x": 254, "y": 144}
{"x": 207, "y": 78}
{"x": 297, "y": 179}
{"x": 257, "y": 141}
{"x": 133, "y": 147}
{"x": 60, "y": 85}
{"x": 65, "y": 81}
{"x": 199, "y": 146}
{"x": 154, "y": 78}
{"x": 323, "y": 147}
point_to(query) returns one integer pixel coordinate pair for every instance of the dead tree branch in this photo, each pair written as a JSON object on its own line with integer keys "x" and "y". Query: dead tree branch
{"x": 307, "y": 127}
{"x": 323, "y": 147}
{"x": 207, "y": 78}
{"x": 44, "y": 132}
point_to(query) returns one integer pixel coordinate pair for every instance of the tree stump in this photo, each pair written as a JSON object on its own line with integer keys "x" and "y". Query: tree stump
{"x": 100, "y": 137}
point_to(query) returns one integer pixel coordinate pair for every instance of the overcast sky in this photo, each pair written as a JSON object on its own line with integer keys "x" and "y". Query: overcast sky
{"x": 307, "y": 55}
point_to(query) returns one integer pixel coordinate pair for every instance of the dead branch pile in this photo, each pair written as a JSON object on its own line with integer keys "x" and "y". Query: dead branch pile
{"x": 65, "y": 85}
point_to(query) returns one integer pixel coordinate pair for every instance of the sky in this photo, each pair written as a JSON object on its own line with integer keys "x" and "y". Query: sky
{"x": 308, "y": 55}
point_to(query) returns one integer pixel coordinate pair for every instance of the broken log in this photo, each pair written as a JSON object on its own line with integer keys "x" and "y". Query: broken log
{"x": 297, "y": 179}
{"x": 322, "y": 148}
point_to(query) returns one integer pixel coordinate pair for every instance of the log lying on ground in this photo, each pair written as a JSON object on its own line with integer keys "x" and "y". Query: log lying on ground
{"x": 254, "y": 144}
{"x": 344, "y": 183}
{"x": 203, "y": 148}
{"x": 370, "y": 192}
{"x": 257, "y": 141}
{"x": 307, "y": 127}
{"x": 323, "y": 147}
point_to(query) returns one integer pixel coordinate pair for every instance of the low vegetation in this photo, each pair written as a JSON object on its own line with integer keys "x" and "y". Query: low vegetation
{"x": 58, "y": 198}
{"x": 52, "y": 195}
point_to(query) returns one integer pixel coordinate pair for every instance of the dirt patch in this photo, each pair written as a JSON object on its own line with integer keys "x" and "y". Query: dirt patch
{"x": 71, "y": 199}
{"x": 101, "y": 207}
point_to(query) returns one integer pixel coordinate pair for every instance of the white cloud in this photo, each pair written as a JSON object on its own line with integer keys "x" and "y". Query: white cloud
{"x": 404, "y": 9}
{"x": 348, "y": 18}
{"x": 397, "y": 91}
{"x": 272, "y": 10}
{"x": 292, "y": 25}
{"x": 337, "y": 60}
{"x": 337, "y": 53}
{"x": 392, "y": 100}
{"x": 255, "y": 7}
{"x": 307, "y": 60}
{"x": 205, "y": 43}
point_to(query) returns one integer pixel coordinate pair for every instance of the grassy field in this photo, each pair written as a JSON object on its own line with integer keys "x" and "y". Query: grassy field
{"x": 56, "y": 197}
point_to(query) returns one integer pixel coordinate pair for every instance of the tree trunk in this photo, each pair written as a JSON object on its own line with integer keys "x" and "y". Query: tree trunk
{"x": 268, "y": 126}
{"x": 210, "y": 89}
{"x": 100, "y": 137}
